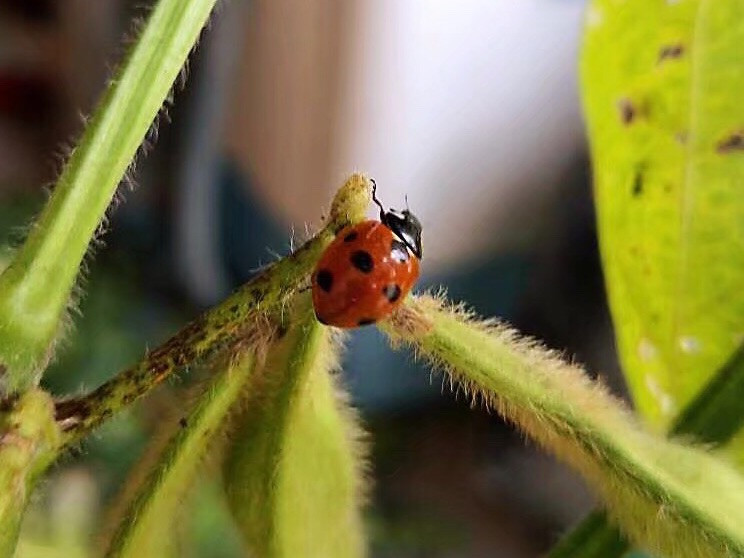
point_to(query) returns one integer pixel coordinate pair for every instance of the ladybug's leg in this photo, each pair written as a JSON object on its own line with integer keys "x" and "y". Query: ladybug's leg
{"x": 374, "y": 198}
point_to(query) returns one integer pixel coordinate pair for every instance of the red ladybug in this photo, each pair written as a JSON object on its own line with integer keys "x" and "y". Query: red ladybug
{"x": 368, "y": 269}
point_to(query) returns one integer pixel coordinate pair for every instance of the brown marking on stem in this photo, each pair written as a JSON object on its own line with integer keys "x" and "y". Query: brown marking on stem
{"x": 8, "y": 402}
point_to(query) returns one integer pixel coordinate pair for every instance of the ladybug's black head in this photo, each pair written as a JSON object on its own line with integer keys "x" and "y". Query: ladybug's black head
{"x": 406, "y": 227}
{"x": 404, "y": 224}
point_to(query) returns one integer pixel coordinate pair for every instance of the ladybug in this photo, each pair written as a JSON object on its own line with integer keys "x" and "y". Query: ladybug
{"x": 368, "y": 269}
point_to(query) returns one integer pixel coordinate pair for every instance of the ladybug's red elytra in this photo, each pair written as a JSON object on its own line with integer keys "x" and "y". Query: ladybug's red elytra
{"x": 368, "y": 269}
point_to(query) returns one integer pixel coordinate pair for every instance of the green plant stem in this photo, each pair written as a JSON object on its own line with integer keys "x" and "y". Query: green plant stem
{"x": 593, "y": 537}
{"x": 673, "y": 499}
{"x": 225, "y": 325}
{"x": 29, "y": 442}
{"x": 295, "y": 488}
{"x": 36, "y": 287}
{"x": 714, "y": 416}
{"x": 145, "y": 525}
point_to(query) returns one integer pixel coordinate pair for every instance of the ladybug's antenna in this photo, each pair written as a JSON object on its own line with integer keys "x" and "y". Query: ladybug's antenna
{"x": 407, "y": 208}
{"x": 374, "y": 198}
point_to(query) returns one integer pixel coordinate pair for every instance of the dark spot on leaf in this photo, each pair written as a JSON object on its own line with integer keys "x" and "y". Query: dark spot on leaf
{"x": 366, "y": 321}
{"x": 362, "y": 260}
{"x": 628, "y": 111}
{"x": 351, "y": 237}
{"x": 183, "y": 423}
{"x": 638, "y": 183}
{"x": 391, "y": 292}
{"x": 324, "y": 279}
{"x": 671, "y": 51}
{"x": 734, "y": 142}
{"x": 398, "y": 251}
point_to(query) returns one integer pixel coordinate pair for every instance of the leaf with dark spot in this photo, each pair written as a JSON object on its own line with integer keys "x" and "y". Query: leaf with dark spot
{"x": 638, "y": 183}
{"x": 670, "y": 52}
{"x": 627, "y": 111}
{"x": 734, "y": 142}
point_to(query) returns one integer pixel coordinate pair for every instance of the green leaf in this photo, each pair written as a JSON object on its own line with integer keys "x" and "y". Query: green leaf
{"x": 669, "y": 234}
{"x": 661, "y": 83}
{"x": 35, "y": 289}
{"x": 29, "y": 442}
{"x": 673, "y": 499}
{"x": 294, "y": 473}
{"x": 146, "y": 520}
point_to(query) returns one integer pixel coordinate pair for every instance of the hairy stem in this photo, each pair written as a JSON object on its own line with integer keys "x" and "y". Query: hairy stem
{"x": 670, "y": 498}
{"x": 225, "y": 325}
{"x": 295, "y": 487}
{"x": 35, "y": 288}
{"x": 714, "y": 416}
{"x": 146, "y": 523}
{"x": 29, "y": 442}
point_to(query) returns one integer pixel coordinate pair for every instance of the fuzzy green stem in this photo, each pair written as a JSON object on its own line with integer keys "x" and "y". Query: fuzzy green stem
{"x": 146, "y": 523}
{"x": 35, "y": 289}
{"x": 714, "y": 416}
{"x": 225, "y": 325}
{"x": 29, "y": 442}
{"x": 295, "y": 486}
{"x": 670, "y": 498}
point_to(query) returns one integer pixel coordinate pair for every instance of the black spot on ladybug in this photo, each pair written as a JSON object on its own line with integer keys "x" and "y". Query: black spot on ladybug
{"x": 398, "y": 251}
{"x": 351, "y": 237}
{"x": 362, "y": 260}
{"x": 391, "y": 292}
{"x": 324, "y": 279}
{"x": 366, "y": 321}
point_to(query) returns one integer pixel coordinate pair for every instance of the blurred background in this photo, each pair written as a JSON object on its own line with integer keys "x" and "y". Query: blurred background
{"x": 469, "y": 108}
